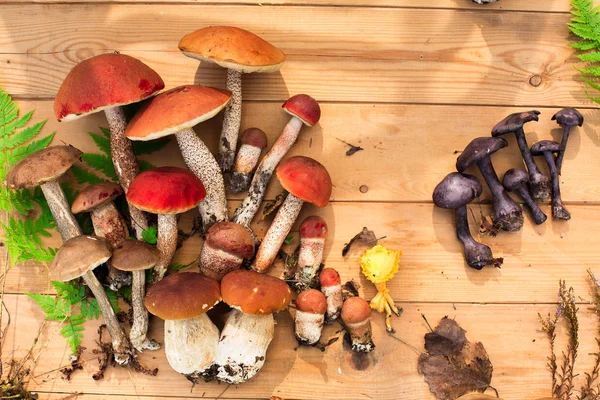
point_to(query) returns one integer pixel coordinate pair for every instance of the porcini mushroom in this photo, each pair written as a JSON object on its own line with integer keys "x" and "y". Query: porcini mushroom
{"x": 249, "y": 327}
{"x": 313, "y": 232}
{"x": 191, "y": 339}
{"x": 166, "y": 191}
{"x": 508, "y": 215}
{"x": 226, "y": 246}
{"x": 43, "y": 168}
{"x": 306, "y": 180}
{"x": 311, "y": 306}
{"x": 567, "y": 118}
{"x": 105, "y": 83}
{"x": 253, "y": 141}
{"x": 176, "y": 112}
{"x": 455, "y": 191}
{"x": 240, "y": 52}
{"x": 546, "y": 148}
{"x": 136, "y": 257}
{"x": 515, "y": 180}
{"x": 304, "y": 110}
{"x": 78, "y": 257}
{"x": 331, "y": 286}
{"x": 108, "y": 223}
{"x": 356, "y": 315}
{"x": 538, "y": 182}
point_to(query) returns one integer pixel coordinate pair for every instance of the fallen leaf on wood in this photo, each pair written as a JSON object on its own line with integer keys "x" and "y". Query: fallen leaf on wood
{"x": 272, "y": 205}
{"x": 364, "y": 237}
{"x": 448, "y": 338}
{"x": 350, "y": 289}
{"x": 353, "y": 149}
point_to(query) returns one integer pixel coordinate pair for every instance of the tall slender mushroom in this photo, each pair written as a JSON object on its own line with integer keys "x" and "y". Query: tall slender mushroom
{"x": 249, "y": 327}
{"x": 176, "y": 112}
{"x": 567, "y": 118}
{"x": 240, "y": 52}
{"x": 538, "y": 182}
{"x": 311, "y": 306}
{"x": 107, "y": 82}
{"x": 546, "y": 148}
{"x": 356, "y": 315}
{"x": 78, "y": 257}
{"x": 191, "y": 339}
{"x": 107, "y": 221}
{"x": 508, "y": 214}
{"x": 515, "y": 180}
{"x": 313, "y": 232}
{"x": 253, "y": 141}
{"x": 136, "y": 257}
{"x": 455, "y": 191}
{"x": 166, "y": 191}
{"x": 331, "y": 286}
{"x": 306, "y": 180}
{"x": 304, "y": 110}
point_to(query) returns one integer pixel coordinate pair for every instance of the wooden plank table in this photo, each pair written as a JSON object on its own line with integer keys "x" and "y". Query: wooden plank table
{"x": 412, "y": 82}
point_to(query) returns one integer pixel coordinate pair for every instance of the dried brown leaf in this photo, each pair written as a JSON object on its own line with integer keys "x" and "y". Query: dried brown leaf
{"x": 448, "y": 338}
{"x": 365, "y": 237}
{"x": 272, "y": 205}
{"x": 350, "y": 289}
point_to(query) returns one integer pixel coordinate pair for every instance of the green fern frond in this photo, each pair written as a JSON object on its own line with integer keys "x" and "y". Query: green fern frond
{"x": 83, "y": 176}
{"x": 72, "y": 331}
{"x": 101, "y": 163}
{"x": 145, "y": 165}
{"x": 102, "y": 142}
{"x": 585, "y": 23}
{"x": 142, "y": 148}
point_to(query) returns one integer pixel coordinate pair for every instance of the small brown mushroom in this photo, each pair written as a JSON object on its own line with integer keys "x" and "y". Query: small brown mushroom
{"x": 254, "y": 141}
{"x": 311, "y": 306}
{"x": 547, "y": 148}
{"x": 331, "y": 286}
{"x": 313, "y": 232}
{"x": 356, "y": 315}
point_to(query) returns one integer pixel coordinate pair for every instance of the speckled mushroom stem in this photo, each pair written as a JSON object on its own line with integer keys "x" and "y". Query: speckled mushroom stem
{"x": 559, "y": 210}
{"x": 243, "y": 346}
{"x": 247, "y": 210}
{"x": 139, "y": 326}
{"x": 61, "y": 211}
{"x": 202, "y": 163}
{"x": 310, "y": 257}
{"x": 361, "y": 336}
{"x": 536, "y": 212}
{"x": 563, "y": 147}
{"x": 232, "y": 120}
{"x": 125, "y": 162}
{"x": 538, "y": 182}
{"x": 308, "y": 327}
{"x": 335, "y": 299}
{"x": 477, "y": 254}
{"x": 246, "y": 160}
{"x": 166, "y": 243}
{"x": 278, "y": 231}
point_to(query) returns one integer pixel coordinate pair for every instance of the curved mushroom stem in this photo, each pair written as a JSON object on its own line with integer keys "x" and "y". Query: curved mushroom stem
{"x": 477, "y": 254}
{"x": 166, "y": 243}
{"x": 120, "y": 343}
{"x": 232, "y": 120}
{"x": 508, "y": 214}
{"x": 536, "y": 212}
{"x": 139, "y": 327}
{"x": 61, "y": 211}
{"x": 563, "y": 148}
{"x": 243, "y": 346}
{"x": 279, "y": 229}
{"x": 538, "y": 182}
{"x": 202, "y": 163}
{"x": 247, "y": 210}
{"x": 246, "y": 160}
{"x": 310, "y": 257}
{"x": 559, "y": 210}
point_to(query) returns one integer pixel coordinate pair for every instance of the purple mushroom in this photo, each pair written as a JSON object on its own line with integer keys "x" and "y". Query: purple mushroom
{"x": 567, "y": 118}
{"x": 546, "y": 148}
{"x": 515, "y": 180}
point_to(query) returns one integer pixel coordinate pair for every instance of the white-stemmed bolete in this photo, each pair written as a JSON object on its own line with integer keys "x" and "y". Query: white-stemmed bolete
{"x": 311, "y": 306}
{"x": 306, "y": 180}
{"x": 191, "y": 339}
{"x": 313, "y": 232}
{"x": 176, "y": 112}
{"x": 226, "y": 246}
{"x": 356, "y": 315}
{"x": 253, "y": 141}
{"x": 44, "y": 168}
{"x": 547, "y": 148}
{"x": 240, "y": 52}
{"x": 304, "y": 110}
{"x": 331, "y": 286}
{"x": 166, "y": 191}
{"x": 250, "y": 326}
{"x": 77, "y": 258}
{"x": 107, "y": 82}
{"x": 136, "y": 257}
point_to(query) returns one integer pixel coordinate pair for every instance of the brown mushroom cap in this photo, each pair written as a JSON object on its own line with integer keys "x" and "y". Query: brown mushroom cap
{"x": 232, "y": 48}
{"x": 104, "y": 81}
{"x": 355, "y": 310}
{"x": 95, "y": 196}
{"x": 78, "y": 256}
{"x": 42, "y": 166}
{"x": 306, "y": 179}
{"x": 254, "y": 293}
{"x": 232, "y": 238}
{"x": 543, "y": 146}
{"x": 304, "y": 107}
{"x": 176, "y": 109}
{"x": 182, "y": 295}
{"x": 254, "y": 137}
{"x": 329, "y": 277}
{"x": 134, "y": 255}
{"x": 312, "y": 301}
{"x": 514, "y": 122}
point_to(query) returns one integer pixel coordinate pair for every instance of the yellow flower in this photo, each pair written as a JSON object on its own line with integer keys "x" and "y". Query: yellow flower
{"x": 379, "y": 264}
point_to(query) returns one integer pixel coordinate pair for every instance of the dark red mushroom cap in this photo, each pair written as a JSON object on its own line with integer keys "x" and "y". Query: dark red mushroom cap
{"x": 313, "y": 227}
{"x": 544, "y": 146}
{"x": 329, "y": 277}
{"x": 254, "y": 137}
{"x": 306, "y": 179}
{"x": 311, "y": 301}
{"x": 95, "y": 195}
{"x": 105, "y": 81}
{"x": 477, "y": 150}
{"x": 232, "y": 238}
{"x": 254, "y": 293}
{"x": 355, "y": 310}
{"x": 568, "y": 117}
{"x": 456, "y": 190}
{"x": 304, "y": 107}
{"x": 514, "y": 122}
{"x": 166, "y": 190}
{"x": 514, "y": 178}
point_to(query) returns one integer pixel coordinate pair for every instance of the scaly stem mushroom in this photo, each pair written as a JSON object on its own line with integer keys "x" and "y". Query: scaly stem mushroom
{"x": 61, "y": 211}
{"x": 139, "y": 326}
{"x": 231, "y": 121}
{"x": 166, "y": 243}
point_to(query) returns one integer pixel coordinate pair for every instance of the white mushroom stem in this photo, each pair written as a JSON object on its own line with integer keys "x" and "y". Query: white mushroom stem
{"x": 166, "y": 243}
{"x": 246, "y": 160}
{"x": 361, "y": 336}
{"x": 308, "y": 327}
{"x": 310, "y": 258}
{"x": 202, "y": 163}
{"x": 139, "y": 327}
{"x": 334, "y": 297}
{"x": 191, "y": 345}
{"x": 232, "y": 120}
{"x": 247, "y": 210}
{"x": 61, "y": 211}
{"x": 216, "y": 263}
{"x": 278, "y": 231}
{"x": 243, "y": 346}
